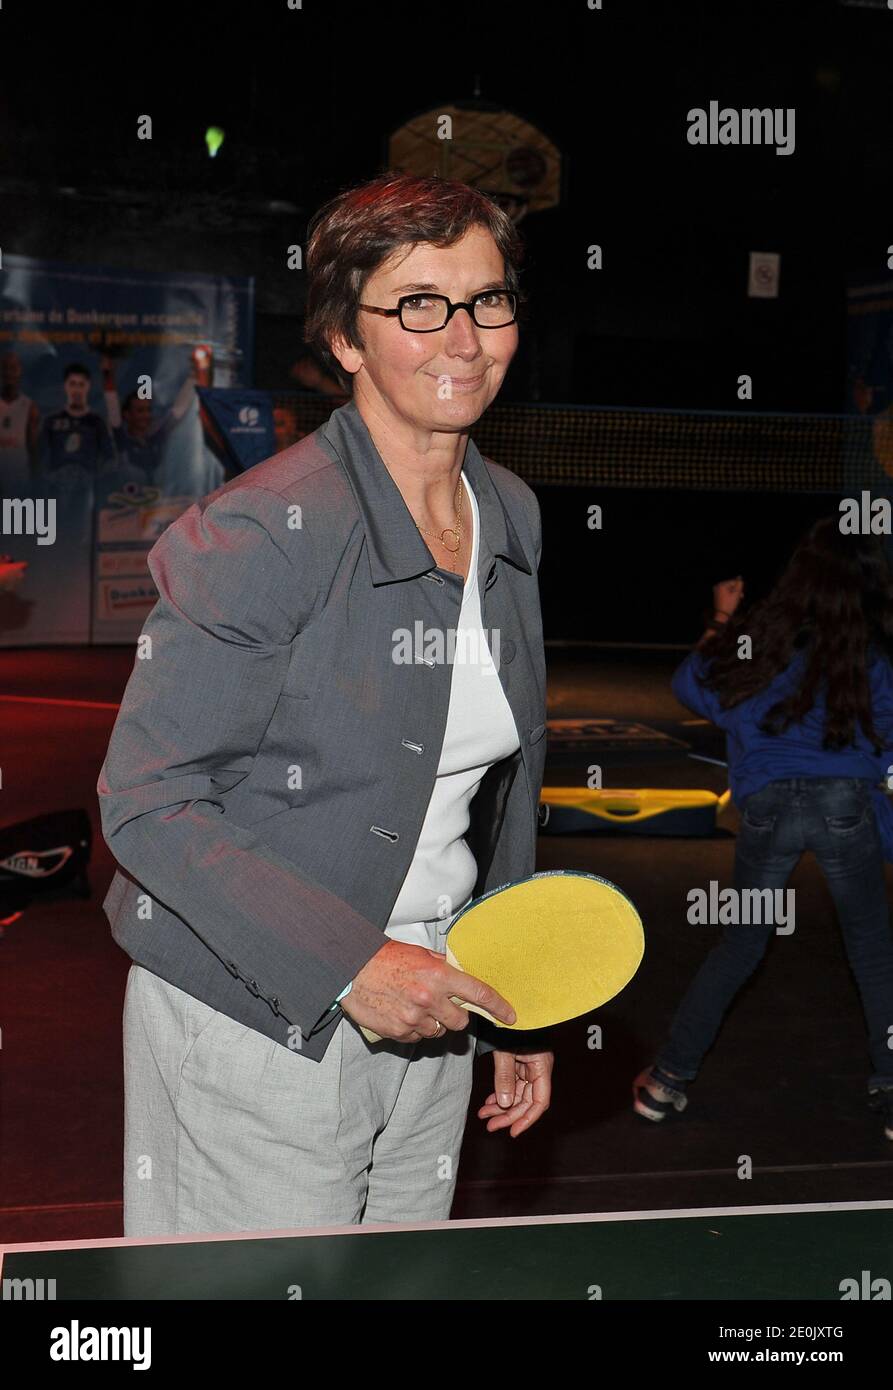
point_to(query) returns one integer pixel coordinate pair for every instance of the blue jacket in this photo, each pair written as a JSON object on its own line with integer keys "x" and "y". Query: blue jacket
{"x": 756, "y": 758}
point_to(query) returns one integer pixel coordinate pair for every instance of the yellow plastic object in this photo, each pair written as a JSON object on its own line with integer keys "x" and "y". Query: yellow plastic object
{"x": 627, "y": 805}
{"x": 554, "y": 945}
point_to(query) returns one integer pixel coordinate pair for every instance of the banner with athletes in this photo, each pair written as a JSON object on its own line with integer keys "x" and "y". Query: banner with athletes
{"x": 102, "y": 442}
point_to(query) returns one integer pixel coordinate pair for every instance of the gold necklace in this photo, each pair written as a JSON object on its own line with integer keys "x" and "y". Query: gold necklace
{"x": 449, "y": 530}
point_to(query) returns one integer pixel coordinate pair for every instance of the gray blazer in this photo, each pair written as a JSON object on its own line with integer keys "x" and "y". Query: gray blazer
{"x": 271, "y": 763}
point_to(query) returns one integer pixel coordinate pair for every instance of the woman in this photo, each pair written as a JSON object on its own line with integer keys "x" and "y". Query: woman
{"x": 803, "y": 687}
{"x": 310, "y": 776}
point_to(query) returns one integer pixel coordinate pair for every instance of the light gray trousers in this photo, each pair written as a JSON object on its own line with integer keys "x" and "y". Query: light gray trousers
{"x": 226, "y": 1130}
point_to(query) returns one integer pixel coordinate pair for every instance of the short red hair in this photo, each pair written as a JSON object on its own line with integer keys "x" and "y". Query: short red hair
{"x": 359, "y": 229}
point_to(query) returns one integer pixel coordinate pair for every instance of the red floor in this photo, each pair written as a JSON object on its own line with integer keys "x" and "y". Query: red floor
{"x": 785, "y": 1082}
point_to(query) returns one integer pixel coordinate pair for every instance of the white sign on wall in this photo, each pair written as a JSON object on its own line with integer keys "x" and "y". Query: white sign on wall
{"x": 765, "y": 268}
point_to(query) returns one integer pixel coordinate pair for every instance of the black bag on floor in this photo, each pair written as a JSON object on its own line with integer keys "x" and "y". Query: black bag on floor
{"x": 43, "y": 855}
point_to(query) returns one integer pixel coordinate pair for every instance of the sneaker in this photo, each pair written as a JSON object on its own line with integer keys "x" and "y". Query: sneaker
{"x": 882, "y": 1100}
{"x": 654, "y": 1097}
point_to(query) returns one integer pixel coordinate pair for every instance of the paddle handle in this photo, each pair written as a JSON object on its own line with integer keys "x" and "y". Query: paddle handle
{"x": 463, "y": 1004}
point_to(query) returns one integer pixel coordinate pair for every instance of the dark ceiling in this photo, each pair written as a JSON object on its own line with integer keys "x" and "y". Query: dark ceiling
{"x": 307, "y": 97}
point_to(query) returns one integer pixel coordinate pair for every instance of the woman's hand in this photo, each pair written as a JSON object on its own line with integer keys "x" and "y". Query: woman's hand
{"x": 404, "y": 990}
{"x": 727, "y": 594}
{"x": 862, "y": 396}
{"x": 523, "y": 1091}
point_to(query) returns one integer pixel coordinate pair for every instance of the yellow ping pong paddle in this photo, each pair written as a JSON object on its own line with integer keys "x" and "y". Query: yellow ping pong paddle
{"x": 555, "y": 945}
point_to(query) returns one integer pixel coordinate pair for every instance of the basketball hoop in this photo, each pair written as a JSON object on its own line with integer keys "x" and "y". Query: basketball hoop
{"x": 502, "y": 154}
{"x": 515, "y": 204}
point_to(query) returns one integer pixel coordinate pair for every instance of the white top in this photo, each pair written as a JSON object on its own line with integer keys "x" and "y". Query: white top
{"x": 480, "y": 730}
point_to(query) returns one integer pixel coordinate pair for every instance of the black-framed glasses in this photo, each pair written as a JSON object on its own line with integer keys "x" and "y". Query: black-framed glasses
{"x": 428, "y": 313}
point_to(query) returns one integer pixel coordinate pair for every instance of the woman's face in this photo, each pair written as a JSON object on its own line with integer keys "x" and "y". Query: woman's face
{"x": 442, "y": 380}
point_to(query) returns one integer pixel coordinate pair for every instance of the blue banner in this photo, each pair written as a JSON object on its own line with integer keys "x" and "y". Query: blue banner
{"x": 102, "y": 443}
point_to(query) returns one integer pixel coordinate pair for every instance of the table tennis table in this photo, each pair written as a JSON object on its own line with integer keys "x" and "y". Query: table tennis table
{"x": 742, "y": 1253}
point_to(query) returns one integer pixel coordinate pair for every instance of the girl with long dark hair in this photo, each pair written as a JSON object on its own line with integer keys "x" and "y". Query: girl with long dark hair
{"x": 802, "y": 684}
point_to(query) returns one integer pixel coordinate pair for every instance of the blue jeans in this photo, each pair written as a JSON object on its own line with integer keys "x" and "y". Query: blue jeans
{"x": 834, "y": 818}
